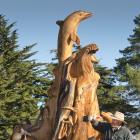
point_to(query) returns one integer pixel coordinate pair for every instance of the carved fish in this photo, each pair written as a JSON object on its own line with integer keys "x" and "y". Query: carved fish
{"x": 68, "y": 33}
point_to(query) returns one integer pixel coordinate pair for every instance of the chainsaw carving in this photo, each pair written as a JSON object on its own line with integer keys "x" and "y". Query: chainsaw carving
{"x": 68, "y": 33}
{"x": 33, "y": 132}
{"x": 19, "y": 133}
{"x": 66, "y": 38}
{"x": 73, "y": 92}
{"x": 79, "y": 98}
{"x": 77, "y": 82}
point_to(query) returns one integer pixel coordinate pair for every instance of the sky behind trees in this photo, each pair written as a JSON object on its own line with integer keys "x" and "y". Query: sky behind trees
{"x": 109, "y": 28}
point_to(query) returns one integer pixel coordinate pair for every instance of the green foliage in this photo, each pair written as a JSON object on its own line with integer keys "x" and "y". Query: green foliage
{"x": 131, "y": 54}
{"x": 108, "y": 91}
{"x": 128, "y": 70}
{"x": 23, "y": 83}
{"x": 128, "y": 66}
{"x": 134, "y": 77}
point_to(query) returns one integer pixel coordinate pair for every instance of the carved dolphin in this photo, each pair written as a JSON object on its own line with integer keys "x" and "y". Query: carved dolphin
{"x": 68, "y": 33}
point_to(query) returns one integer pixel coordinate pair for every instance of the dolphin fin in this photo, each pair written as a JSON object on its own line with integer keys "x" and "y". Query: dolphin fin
{"x": 77, "y": 40}
{"x": 74, "y": 37}
{"x": 59, "y": 22}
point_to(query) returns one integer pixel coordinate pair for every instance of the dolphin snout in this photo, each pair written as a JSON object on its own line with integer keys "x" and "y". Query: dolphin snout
{"x": 87, "y": 15}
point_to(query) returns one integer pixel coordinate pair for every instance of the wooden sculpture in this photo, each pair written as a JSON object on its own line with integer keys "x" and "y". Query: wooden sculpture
{"x": 78, "y": 98}
{"x": 68, "y": 33}
{"x": 19, "y": 133}
{"x": 76, "y": 83}
{"x": 73, "y": 92}
{"x": 107, "y": 116}
{"x": 66, "y": 38}
{"x": 38, "y": 131}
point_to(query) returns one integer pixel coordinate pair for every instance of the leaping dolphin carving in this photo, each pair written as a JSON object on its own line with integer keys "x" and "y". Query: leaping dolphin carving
{"x": 68, "y": 33}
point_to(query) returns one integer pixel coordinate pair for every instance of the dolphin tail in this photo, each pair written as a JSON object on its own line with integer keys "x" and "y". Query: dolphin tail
{"x": 59, "y": 22}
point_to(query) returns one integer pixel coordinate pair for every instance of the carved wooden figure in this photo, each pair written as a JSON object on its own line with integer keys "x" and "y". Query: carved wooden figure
{"x": 62, "y": 84}
{"x": 38, "y": 131}
{"x": 73, "y": 92}
{"x": 19, "y": 133}
{"x": 68, "y": 33}
{"x": 74, "y": 87}
{"x": 81, "y": 98}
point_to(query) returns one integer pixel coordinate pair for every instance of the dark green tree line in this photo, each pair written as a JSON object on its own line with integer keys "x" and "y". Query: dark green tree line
{"x": 23, "y": 82}
{"x": 108, "y": 92}
{"x": 128, "y": 70}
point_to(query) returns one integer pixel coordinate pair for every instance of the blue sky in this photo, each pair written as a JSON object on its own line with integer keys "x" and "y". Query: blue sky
{"x": 109, "y": 28}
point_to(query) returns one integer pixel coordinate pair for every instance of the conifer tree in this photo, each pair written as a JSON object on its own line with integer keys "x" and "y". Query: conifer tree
{"x": 128, "y": 68}
{"x": 22, "y": 81}
{"x": 108, "y": 92}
